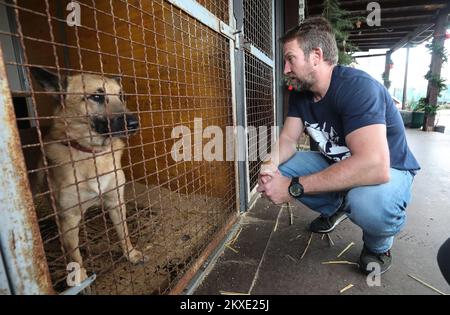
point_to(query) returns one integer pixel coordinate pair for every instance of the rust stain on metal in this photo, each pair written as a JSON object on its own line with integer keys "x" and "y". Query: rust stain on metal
{"x": 36, "y": 255}
{"x": 13, "y": 241}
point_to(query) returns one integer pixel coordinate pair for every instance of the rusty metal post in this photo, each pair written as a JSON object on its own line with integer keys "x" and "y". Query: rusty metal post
{"x": 21, "y": 246}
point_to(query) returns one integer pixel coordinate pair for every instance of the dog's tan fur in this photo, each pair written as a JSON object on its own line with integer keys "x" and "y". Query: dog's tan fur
{"x": 88, "y": 181}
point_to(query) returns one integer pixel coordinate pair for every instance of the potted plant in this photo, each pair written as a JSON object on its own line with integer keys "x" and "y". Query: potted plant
{"x": 418, "y": 113}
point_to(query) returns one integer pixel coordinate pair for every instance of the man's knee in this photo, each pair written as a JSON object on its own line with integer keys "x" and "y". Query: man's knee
{"x": 376, "y": 211}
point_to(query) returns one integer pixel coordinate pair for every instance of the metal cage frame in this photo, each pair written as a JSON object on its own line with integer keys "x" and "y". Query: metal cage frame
{"x": 23, "y": 268}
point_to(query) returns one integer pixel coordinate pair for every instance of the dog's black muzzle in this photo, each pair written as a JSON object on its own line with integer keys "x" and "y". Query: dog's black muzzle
{"x": 116, "y": 126}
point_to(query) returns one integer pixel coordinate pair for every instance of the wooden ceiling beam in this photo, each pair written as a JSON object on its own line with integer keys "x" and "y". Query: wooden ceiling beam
{"x": 375, "y": 34}
{"x": 380, "y": 39}
{"x": 425, "y": 9}
{"x": 314, "y": 5}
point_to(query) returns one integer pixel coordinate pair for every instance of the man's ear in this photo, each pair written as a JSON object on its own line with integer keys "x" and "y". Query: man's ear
{"x": 317, "y": 55}
{"x": 48, "y": 80}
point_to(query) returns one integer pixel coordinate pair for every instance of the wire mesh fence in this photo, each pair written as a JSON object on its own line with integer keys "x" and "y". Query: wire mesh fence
{"x": 96, "y": 103}
{"x": 258, "y": 28}
{"x": 260, "y": 112}
{"x": 219, "y": 8}
{"x": 258, "y": 31}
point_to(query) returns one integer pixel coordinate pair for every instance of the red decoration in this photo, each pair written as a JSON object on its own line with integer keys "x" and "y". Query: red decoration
{"x": 290, "y": 87}
{"x": 447, "y": 35}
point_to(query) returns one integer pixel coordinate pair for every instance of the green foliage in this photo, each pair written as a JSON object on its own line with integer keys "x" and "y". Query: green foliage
{"x": 439, "y": 50}
{"x": 419, "y": 106}
{"x": 340, "y": 22}
{"x": 386, "y": 81}
{"x": 289, "y": 82}
{"x": 436, "y": 80}
{"x": 423, "y": 106}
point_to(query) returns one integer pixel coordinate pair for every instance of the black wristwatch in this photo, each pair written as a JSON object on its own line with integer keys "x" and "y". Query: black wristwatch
{"x": 295, "y": 188}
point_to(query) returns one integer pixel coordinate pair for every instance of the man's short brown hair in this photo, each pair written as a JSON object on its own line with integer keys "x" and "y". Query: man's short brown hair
{"x": 315, "y": 32}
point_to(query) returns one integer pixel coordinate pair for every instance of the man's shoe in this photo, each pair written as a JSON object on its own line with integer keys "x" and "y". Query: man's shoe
{"x": 369, "y": 261}
{"x": 325, "y": 225}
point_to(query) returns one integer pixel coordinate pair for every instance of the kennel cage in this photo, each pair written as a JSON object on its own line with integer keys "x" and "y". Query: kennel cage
{"x": 175, "y": 62}
{"x": 259, "y": 60}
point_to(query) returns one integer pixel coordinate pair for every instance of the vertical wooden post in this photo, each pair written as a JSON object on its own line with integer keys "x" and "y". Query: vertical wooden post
{"x": 387, "y": 70}
{"x": 435, "y": 67}
{"x": 405, "y": 81}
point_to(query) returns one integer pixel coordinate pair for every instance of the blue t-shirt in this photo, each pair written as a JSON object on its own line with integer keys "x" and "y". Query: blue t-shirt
{"x": 353, "y": 100}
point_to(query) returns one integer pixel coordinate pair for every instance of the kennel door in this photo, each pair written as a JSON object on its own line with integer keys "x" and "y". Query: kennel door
{"x": 259, "y": 34}
{"x": 173, "y": 61}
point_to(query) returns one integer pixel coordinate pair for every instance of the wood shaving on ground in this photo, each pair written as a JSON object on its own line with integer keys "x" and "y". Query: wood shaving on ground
{"x": 291, "y": 258}
{"x": 231, "y": 248}
{"x": 307, "y": 246}
{"x": 346, "y": 249}
{"x": 291, "y": 214}
{"x": 232, "y": 293}
{"x": 331, "y": 241}
{"x": 234, "y": 239}
{"x": 427, "y": 285}
{"x": 336, "y": 262}
{"x": 346, "y": 288}
{"x": 278, "y": 219}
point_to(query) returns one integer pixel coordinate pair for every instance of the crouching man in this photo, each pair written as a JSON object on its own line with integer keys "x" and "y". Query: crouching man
{"x": 364, "y": 169}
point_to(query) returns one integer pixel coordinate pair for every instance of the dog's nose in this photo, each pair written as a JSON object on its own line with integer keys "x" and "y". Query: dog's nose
{"x": 132, "y": 123}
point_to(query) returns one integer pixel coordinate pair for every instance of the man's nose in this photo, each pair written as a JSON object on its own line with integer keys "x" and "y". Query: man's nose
{"x": 287, "y": 68}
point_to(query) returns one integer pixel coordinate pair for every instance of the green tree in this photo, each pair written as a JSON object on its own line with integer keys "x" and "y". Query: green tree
{"x": 341, "y": 23}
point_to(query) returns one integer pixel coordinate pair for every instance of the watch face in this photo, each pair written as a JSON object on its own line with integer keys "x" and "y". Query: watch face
{"x": 295, "y": 190}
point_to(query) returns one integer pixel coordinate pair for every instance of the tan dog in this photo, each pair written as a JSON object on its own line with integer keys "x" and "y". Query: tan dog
{"x": 93, "y": 121}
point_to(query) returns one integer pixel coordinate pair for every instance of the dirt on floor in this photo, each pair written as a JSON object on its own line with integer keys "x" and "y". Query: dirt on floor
{"x": 171, "y": 231}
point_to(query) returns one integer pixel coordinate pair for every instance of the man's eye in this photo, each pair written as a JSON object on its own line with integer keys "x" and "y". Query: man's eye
{"x": 98, "y": 98}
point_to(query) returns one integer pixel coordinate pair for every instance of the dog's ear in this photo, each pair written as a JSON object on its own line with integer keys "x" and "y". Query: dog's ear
{"x": 48, "y": 80}
{"x": 117, "y": 79}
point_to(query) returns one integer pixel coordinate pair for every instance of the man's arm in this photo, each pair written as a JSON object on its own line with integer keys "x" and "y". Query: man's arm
{"x": 286, "y": 145}
{"x": 369, "y": 163}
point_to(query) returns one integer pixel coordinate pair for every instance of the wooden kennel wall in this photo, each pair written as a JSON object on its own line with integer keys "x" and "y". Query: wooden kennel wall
{"x": 174, "y": 69}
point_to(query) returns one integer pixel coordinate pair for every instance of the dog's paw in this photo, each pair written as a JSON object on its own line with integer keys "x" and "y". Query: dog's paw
{"x": 137, "y": 257}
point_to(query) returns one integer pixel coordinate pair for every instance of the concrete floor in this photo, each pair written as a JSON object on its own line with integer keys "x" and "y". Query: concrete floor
{"x": 414, "y": 251}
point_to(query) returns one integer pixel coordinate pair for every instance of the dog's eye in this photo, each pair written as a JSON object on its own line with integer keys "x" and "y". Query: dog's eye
{"x": 98, "y": 98}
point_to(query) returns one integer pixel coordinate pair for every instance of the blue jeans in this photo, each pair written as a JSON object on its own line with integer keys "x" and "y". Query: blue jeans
{"x": 379, "y": 210}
